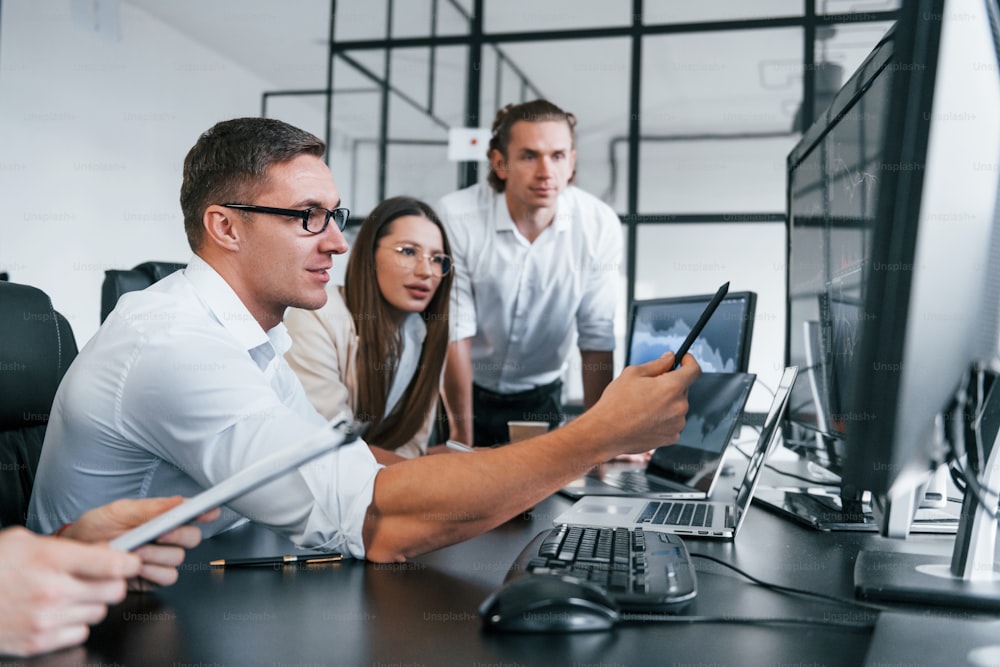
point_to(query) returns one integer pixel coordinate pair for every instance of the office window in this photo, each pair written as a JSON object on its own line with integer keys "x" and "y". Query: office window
{"x": 429, "y": 99}
{"x": 718, "y": 10}
{"x": 532, "y": 15}
{"x": 588, "y": 77}
{"x": 716, "y": 120}
{"x": 423, "y": 18}
{"x": 826, "y": 7}
{"x": 453, "y": 16}
{"x": 355, "y": 128}
{"x": 432, "y": 83}
{"x": 360, "y": 19}
{"x": 709, "y": 176}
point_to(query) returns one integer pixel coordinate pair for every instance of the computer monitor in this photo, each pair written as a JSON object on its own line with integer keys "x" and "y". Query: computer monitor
{"x": 834, "y": 173}
{"x": 898, "y": 191}
{"x": 660, "y": 325}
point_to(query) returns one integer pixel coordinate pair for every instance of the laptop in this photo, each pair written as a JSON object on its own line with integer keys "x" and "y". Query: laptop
{"x": 660, "y": 325}
{"x": 702, "y": 518}
{"x": 689, "y": 468}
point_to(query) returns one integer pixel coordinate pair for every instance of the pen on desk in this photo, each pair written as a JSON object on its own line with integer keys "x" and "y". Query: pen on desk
{"x": 270, "y": 561}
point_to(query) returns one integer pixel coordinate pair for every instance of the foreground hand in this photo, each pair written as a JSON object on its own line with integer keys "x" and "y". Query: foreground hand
{"x": 642, "y": 457}
{"x": 160, "y": 558}
{"x": 52, "y": 590}
{"x": 645, "y": 406}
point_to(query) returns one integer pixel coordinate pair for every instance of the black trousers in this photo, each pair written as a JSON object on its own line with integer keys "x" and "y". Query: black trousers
{"x": 491, "y": 411}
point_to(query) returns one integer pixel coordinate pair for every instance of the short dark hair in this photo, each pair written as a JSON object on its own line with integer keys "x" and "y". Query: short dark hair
{"x": 535, "y": 111}
{"x": 229, "y": 163}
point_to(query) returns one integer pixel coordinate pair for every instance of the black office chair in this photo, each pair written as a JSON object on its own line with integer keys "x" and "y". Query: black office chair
{"x": 117, "y": 282}
{"x": 36, "y": 348}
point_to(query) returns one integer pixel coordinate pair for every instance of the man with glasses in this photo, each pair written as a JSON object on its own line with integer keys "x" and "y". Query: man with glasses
{"x": 185, "y": 383}
{"x": 537, "y": 265}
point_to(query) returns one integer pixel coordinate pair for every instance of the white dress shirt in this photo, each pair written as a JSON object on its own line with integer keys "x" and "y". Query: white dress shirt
{"x": 519, "y": 300}
{"x": 179, "y": 390}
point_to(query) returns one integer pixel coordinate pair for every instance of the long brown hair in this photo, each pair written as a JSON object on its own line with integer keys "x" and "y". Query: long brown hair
{"x": 379, "y": 339}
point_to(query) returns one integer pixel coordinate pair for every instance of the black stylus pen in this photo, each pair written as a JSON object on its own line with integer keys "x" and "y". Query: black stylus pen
{"x": 270, "y": 561}
{"x": 720, "y": 294}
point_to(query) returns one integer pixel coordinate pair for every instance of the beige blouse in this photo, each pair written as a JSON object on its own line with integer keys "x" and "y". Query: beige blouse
{"x": 324, "y": 356}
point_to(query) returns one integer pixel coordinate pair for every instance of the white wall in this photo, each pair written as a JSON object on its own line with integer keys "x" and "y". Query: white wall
{"x": 93, "y": 133}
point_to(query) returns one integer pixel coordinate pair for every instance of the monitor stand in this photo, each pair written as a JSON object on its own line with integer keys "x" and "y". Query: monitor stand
{"x": 967, "y": 579}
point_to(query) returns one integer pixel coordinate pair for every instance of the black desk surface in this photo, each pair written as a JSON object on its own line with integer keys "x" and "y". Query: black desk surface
{"x": 424, "y": 612}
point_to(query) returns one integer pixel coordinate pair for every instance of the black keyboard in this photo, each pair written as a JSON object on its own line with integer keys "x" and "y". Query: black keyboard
{"x": 639, "y": 570}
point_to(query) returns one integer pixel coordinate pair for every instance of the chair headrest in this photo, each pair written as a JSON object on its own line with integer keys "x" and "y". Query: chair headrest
{"x": 139, "y": 277}
{"x": 36, "y": 348}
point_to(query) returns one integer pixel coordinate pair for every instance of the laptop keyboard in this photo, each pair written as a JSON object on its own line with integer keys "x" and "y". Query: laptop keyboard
{"x": 633, "y": 481}
{"x": 677, "y": 513}
{"x": 640, "y": 571}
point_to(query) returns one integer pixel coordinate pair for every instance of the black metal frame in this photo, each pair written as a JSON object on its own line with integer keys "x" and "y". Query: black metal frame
{"x": 476, "y": 39}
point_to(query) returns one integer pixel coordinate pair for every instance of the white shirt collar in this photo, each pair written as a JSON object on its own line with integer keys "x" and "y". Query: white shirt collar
{"x": 503, "y": 221}
{"x": 229, "y": 310}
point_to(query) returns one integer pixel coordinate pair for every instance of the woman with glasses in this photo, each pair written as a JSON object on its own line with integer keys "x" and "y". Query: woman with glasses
{"x": 377, "y": 348}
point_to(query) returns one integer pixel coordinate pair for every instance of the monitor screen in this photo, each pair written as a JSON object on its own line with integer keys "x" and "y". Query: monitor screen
{"x": 661, "y": 325}
{"x": 893, "y": 281}
{"x": 834, "y": 175}
{"x": 929, "y": 299}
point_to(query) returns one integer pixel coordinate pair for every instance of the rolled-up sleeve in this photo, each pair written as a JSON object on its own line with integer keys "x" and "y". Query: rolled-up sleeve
{"x": 349, "y": 497}
{"x": 230, "y": 416}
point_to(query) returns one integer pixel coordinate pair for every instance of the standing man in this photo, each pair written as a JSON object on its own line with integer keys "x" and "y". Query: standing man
{"x": 534, "y": 256}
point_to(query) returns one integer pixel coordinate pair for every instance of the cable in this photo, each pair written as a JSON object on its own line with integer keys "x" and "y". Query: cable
{"x": 764, "y": 386}
{"x": 743, "y": 620}
{"x": 809, "y": 480}
{"x": 789, "y": 590}
{"x": 962, "y": 475}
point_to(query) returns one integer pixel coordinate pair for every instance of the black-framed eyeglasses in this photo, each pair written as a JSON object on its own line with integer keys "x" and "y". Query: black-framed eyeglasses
{"x": 314, "y": 219}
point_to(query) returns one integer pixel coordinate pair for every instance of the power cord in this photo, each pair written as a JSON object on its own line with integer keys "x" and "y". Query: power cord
{"x": 739, "y": 620}
{"x": 808, "y": 480}
{"x": 863, "y": 625}
{"x": 788, "y": 590}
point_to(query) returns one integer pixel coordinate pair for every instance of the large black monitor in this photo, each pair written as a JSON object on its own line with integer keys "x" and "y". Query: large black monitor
{"x": 893, "y": 204}
{"x": 834, "y": 178}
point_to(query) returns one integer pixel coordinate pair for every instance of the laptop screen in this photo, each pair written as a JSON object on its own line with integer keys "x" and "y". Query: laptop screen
{"x": 660, "y": 325}
{"x": 716, "y": 402}
{"x": 767, "y": 440}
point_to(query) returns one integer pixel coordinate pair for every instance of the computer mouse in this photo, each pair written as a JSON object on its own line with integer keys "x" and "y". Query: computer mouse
{"x": 549, "y": 603}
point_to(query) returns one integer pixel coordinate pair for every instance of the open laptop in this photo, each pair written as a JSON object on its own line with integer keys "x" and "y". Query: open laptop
{"x": 689, "y": 468}
{"x": 661, "y": 325}
{"x": 703, "y": 518}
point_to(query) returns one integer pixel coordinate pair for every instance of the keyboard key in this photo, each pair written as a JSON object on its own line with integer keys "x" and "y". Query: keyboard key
{"x": 617, "y": 560}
